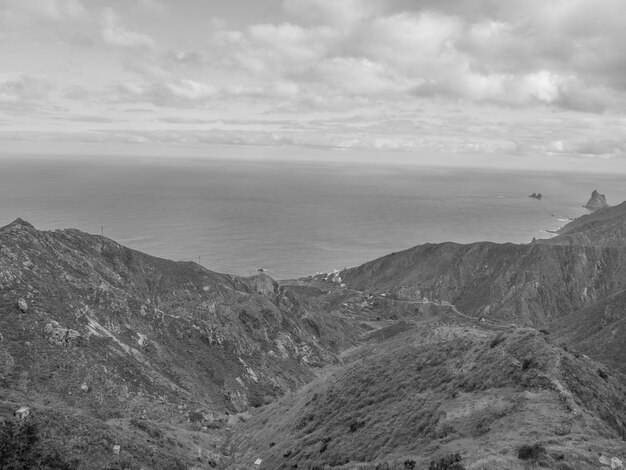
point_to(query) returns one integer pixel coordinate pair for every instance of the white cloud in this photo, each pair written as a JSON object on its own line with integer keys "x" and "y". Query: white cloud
{"x": 448, "y": 75}
{"x": 22, "y": 89}
{"x": 116, "y": 34}
{"x": 55, "y": 10}
{"x": 152, "y": 5}
{"x": 342, "y": 13}
{"x": 191, "y": 90}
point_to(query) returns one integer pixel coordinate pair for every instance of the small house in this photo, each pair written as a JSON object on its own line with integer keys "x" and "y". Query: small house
{"x": 22, "y": 412}
{"x": 258, "y": 462}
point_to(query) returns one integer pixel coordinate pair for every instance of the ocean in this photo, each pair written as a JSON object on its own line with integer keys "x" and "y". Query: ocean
{"x": 291, "y": 218}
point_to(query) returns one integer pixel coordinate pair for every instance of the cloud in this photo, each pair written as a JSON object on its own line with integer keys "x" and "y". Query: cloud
{"x": 521, "y": 77}
{"x": 588, "y": 147}
{"x": 181, "y": 93}
{"x": 55, "y": 10}
{"x": 154, "y": 6}
{"x": 335, "y": 50}
{"x": 342, "y": 13}
{"x": 115, "y": 34}
{"x": 22, "y": 89}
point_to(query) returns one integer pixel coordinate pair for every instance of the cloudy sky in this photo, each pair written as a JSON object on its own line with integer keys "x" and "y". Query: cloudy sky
{"x": 500, "y": 77}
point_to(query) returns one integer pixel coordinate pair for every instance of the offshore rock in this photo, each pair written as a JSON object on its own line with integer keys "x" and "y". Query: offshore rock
{"x": 596, "y": 202}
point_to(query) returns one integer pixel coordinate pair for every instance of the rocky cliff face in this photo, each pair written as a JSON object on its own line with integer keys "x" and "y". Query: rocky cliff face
{"x": 596, "y": 202}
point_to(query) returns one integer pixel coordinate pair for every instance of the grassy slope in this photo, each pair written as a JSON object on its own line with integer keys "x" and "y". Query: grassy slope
{"x": 432, "y": 392}
{"x": 598, "y": 330}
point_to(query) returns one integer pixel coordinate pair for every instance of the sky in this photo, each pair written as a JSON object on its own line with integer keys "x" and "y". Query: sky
{"x": 511, "y": 79}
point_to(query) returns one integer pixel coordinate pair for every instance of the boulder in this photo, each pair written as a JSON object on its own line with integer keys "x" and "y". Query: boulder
{"x": 22, "y": 305}
{"x": 61, "y": 336}
{"x": 596, "y": 202}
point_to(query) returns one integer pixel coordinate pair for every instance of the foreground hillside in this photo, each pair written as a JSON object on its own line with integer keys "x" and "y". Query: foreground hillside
{"x": 431, "y": 393}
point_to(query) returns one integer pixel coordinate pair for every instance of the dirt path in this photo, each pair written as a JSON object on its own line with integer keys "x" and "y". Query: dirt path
{"x": 431, "y": 302}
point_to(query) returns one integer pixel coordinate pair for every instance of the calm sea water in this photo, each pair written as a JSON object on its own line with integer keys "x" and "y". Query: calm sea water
{"x": 291, "y": 218}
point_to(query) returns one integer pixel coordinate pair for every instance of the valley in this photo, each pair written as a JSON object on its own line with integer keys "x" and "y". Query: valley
{"x": 507, "y": 355}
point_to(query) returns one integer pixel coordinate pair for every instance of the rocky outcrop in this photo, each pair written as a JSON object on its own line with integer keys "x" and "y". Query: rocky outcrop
{"x": 596, "y": 202}
{"x": 263, "y": 284}
{"x": 61, "y": 336}
{"x": 536, "y": 196}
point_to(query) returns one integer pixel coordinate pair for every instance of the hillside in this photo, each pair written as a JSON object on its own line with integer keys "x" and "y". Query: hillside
{"x": 111, "y": 333}
{"x": 435, "y": 392}
{"x": 527, "y": 284}
{"x": 416, "y": 356}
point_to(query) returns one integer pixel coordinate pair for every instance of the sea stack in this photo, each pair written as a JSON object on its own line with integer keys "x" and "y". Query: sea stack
{"x": 596, "y": 202}
{"x": 536, "y": 196}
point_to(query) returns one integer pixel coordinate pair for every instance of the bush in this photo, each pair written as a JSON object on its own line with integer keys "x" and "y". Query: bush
{"x": 356, "y": 425}
{"x": 528, "y": 452}
{"x": 450, "y": 462}
{"x": 147, "y": 427}
{"x": 21, "y": 448}
{"x": 528, "y": 363}
{"x": 195, "y": 416}
{"x": 497, "y": 340}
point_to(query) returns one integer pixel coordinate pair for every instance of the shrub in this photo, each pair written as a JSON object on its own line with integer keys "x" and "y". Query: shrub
{"x": 356, "y": 425}
{"x": 147, "y": 427}
{"x": 450, "y": 462}
{"x": 497, "y": 340}
{"x": 531, "y": 452}
{"x": 528, "y": 363}
{"x": 195, "y": 416}
{"x": 22, "y": 449}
